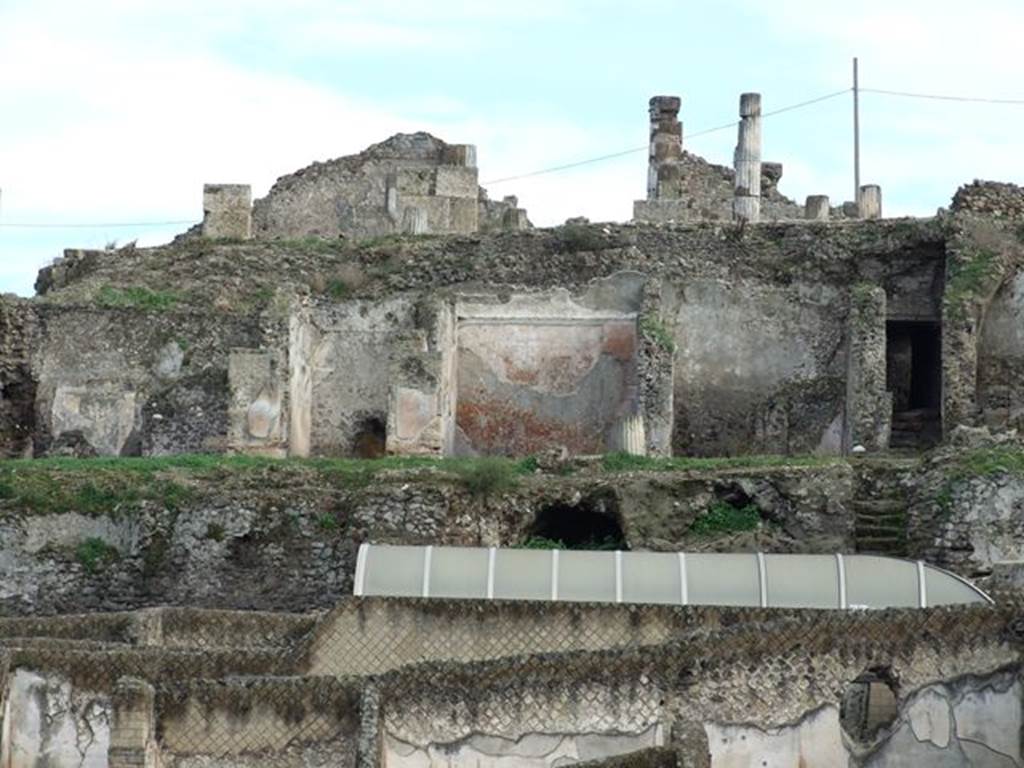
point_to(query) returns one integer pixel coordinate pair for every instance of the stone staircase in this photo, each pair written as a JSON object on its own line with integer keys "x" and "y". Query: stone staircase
{"x": 919, "y": 429}
{"x": 880, "y": 512}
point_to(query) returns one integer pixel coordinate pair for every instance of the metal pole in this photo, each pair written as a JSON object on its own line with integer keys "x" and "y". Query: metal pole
{"x": 856, "y": 134}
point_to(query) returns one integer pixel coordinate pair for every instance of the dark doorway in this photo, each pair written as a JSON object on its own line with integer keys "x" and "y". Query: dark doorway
{"x": 913, "y": 374}
{"x": 590, "y": 523}
{"x": 869, "y": 706}
{"x": 370, "y": 438}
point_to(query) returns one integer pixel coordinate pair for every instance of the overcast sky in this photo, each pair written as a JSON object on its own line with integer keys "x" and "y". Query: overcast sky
{"x": 119, "y": 110}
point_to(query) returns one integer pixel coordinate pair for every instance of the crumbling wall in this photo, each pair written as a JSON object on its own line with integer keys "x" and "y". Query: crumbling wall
{"x": 995, "y": 199}
{"x": 545, "y": 371}
{"x": 757, "y": 367}
{"x": 17, "y": 380}
{"x": 1001, "y": 357}
{"x": 696, "y": 695}
{"x": 705, "y": 192}
{"x": 51, "y": 724}
{"x": 263, "y": 722}
{"x": 411, "y": 183}
{"x": 352, "y": 349}
{"x": 127, "y": 381}
{"x": 967, "y": 721}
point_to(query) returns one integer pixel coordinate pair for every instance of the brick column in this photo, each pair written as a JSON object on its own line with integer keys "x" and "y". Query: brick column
{"x": 227, "y": 211}
{"x": 133, "y": 726}
{"x": 666, "y": 148}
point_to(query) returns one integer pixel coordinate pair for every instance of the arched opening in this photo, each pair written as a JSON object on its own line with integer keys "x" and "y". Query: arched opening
{"x": 370, "y": 438}
{"x": 869, "y": 706}
{"x": 590, "y": 523}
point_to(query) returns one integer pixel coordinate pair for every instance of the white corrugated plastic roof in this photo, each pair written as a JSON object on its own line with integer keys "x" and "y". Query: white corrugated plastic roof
{"x": 676, "y": 578}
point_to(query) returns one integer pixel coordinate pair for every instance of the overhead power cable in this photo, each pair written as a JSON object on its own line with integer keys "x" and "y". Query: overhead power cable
{"x": 28, "y": 225}
{"x": 688, "y": 137}
{"x": 941, "y": 97}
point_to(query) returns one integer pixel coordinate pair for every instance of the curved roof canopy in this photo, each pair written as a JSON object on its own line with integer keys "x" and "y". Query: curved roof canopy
{"x": 677, "y": 578}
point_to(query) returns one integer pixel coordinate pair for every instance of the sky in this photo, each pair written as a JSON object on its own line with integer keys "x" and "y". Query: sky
{"x": 117, "y": 111}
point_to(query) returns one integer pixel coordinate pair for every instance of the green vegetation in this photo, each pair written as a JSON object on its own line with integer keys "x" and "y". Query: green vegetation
{"x": 987, "y": 462}
{"x": 94, "y": 554}
{"x": 327, "y": 522}
{"x": 384, "y": 240}
{"x": 136, "y": 297}
{"x": 542, "y": 542}
{"x": 489, "y": 475}
{"x": 653, "y": 328}
{"x": 863, "y": 294}
{"x": 337, "y": 289}
{"x": 263, "y": 294}
{"x": 86, "y": 486}
{"x": 215, "y": 532}
{"x": 723, "y": 517}
{"x": 625, "y": 462}
{"x": 967, "y": 276}
{"x": 604, "y": 545}
{"x": 119, "y": 486}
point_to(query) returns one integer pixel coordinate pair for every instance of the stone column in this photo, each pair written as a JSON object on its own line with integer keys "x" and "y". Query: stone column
{"x": 747, "y": 160}
{"x": 816, "y": 208}
{"x": 227, "y": 211}
{"x": 869, "y": 204}
{"x": 633, "y": 438}
{"x": 5, "y": 715}
{"x": 868, "y": 404}
{"x": 133, "y": 725}
{"x": 666, "y": 148}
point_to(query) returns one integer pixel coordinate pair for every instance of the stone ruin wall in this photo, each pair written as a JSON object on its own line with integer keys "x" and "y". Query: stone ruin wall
{"x": 693, "y": 341}
{"x": 409, "y": 184}
{"x": 684, "y": 187}
{"x": 954, "y": 675}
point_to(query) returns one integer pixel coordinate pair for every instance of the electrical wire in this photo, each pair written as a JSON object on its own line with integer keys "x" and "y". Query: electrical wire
{"x": 26, "y": 225}
{"x": 940, "y": 97}
{"x": 634, "y": 150}
{"x": 579, "y": 163}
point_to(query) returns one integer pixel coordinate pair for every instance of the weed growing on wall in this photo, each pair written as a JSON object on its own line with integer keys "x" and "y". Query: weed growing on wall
{"x": 626, "y": 462}
{"x": 542, "y": 542}
{"x": 136, "y": 298}
{"x": 967, "y": 276}
{"x": 486, "y": 476}
{"x": 988, "y": 462}
{"x": 94, "y": 554}
{"x": 337, "y": 289}
{"x": 655, "y": 330}
{"x": 723, "y": 517}
{"x": 599, "y": 545}
{"x": 327, "y": 522}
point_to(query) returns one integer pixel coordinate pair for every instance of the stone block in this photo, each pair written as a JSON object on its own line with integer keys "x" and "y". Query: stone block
{"x": 463, "y": 155}
{"x": 662, "y": 211}
{"x": 464, "y": 215}
{"x": 414, "y": 181}
{"x": 255, "y": 421}
{"x": 455, "y": 181}
{"x": 869, "y": 203}
{"x": 227, "y": 211}
{"x": 436, "y": 209}
{"x": 414, "y": 422}
{"x": 414, "y": 221}
{"x": 103, "y": 412}
{"x": 515, "y": 219}
{"x": 817, "y": 208}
